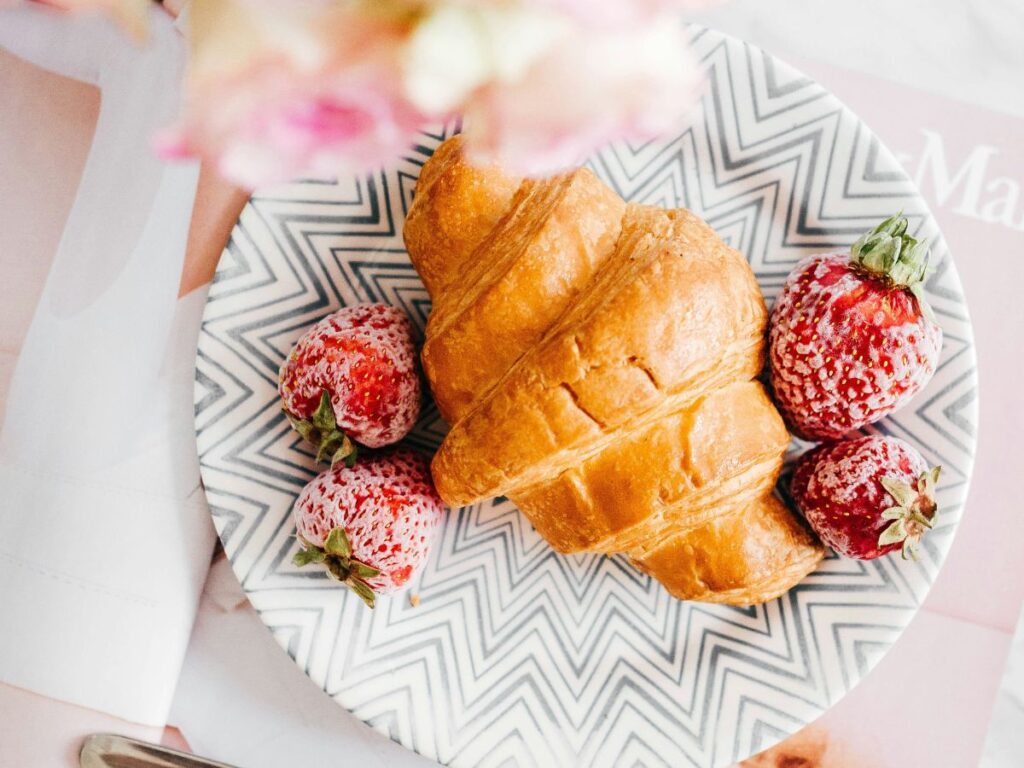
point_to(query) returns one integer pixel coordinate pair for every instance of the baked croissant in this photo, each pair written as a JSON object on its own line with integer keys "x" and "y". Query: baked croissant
{"x": 596, "y": 361}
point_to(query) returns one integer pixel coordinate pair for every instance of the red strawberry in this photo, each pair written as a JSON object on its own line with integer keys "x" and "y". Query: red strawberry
{"x": 868, "y": 496}
{"x": 352, "y": 377}
{"x": 370, "y": 525}
{"x": 852, "y": 338}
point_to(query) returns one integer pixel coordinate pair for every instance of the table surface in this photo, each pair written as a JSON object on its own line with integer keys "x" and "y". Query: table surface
{"x": 915, "y": 70}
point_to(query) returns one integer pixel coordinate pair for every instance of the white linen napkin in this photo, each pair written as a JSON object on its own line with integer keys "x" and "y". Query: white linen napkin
{"x": 240, "y": 698}
{"x": 104, "y": 535}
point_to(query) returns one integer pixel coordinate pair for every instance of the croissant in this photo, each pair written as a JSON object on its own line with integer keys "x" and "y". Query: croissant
{"x": 597, "y": 362}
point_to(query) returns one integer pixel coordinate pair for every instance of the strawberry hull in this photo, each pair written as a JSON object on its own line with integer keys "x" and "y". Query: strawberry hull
{"x": 388, "y": 510}
{"x": 866, "y": 497}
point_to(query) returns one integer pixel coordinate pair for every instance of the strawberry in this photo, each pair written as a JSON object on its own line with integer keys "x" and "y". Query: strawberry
{"x": 851, "y": 336}
{"x": 351, "y": 378}
{"x": 867, "y": 497}
{"x": 370, "y": 525}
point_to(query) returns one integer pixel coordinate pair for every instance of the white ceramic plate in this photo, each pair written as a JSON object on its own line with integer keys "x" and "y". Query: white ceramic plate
{"x": 516, "y": 655}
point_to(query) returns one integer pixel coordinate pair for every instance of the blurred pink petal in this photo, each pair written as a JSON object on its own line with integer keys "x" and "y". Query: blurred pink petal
{"x": 592, "y": 89}
{"x": 278, "y": 125}
{"x": 281, "y": 90}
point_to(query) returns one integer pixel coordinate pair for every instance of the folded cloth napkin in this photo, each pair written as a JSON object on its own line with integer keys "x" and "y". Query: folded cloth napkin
{"x": 243, "y": 701}
{"x": 104, "y": 535}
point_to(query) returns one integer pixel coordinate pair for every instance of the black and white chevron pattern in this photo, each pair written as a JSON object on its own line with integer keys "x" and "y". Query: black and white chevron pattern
{"x": 516, "y": 655}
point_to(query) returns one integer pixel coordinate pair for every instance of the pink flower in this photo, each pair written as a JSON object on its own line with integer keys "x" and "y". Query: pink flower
{"x": 278, "y": 91}
{"x": 280, "y": 126}
{"x": 592, "y": 88}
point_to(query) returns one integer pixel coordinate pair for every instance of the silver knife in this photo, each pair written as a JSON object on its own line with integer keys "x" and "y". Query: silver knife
{"x": 105, "y": 750}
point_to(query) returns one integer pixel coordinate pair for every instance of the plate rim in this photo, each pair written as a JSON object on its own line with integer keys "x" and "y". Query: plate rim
{"x": 967, "y": 464}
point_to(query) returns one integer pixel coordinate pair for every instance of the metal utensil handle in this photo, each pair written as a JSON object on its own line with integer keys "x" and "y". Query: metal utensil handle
{"x": 107, "y": 750}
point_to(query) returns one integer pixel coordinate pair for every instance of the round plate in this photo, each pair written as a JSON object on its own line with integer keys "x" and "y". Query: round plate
{"x": 515, "y": 654}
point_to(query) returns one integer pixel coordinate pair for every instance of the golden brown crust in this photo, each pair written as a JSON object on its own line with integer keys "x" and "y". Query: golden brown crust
{"x": 455, "y": 206}
{"x": 596, "y": 362}
{"x": 720, "y": 450}
{"x": 516, "y": 287}
{"x": 690, "y": 319}
{"x": 743, "y": 556}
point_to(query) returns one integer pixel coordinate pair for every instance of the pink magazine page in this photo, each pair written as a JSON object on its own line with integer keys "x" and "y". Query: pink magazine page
{"x": 928, "y": 702}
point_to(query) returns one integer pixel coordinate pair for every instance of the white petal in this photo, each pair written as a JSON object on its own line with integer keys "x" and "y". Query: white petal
{"x": 445, "y": 59}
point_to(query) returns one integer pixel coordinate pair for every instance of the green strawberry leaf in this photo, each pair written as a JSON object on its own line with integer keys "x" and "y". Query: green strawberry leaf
{"x": 894, "y": 534}
{"x": 304, "y": 428}
{"x": 347, "y": 452}
{"x": 362, "y": 589}
{"x": 337, "y": 543}
{"x": 307, "y": 556}
{"x": 899, "y": 490}
{"x": 919, "y": 518}
{"x": 889, "y": 252}
{"x": 323, "y": 419}
{"x": 321, "y": 430}
{"x": 364, "y": 571}
{"x": 894, "y": 513}
{"x": 929, "y": 481}
{"x": 327, "y": 443}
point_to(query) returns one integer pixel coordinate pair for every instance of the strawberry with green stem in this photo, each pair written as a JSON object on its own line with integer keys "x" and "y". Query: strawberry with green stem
{"x": 369, "y": 526}
{"x": 336, "y": 557}
{"x": 851, "y": 337}
{"x": 351, "y": 380}
{"x": 321, "y": 430}
{"x": 867, "y": 497}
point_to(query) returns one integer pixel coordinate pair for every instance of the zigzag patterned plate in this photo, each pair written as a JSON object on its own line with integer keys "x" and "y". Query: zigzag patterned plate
{"x": 516, "y": 655}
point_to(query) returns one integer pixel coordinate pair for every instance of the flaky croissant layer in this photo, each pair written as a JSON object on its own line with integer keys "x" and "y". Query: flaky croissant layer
{"x": 596, "y": 361}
